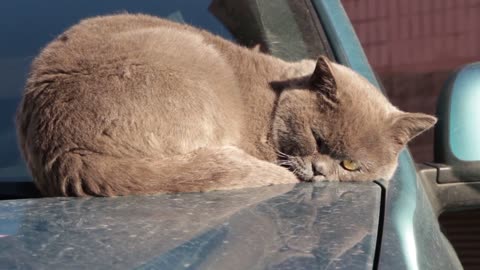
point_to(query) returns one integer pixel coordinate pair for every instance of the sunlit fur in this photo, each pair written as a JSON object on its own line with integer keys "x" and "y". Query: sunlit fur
{"x": 134, "y": 104}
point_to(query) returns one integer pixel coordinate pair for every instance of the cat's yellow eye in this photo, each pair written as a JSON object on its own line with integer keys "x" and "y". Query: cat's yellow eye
{"x": 350, "y": 165}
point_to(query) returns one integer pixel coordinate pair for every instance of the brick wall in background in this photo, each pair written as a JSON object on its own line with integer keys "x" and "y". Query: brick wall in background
{"x": 414, "y": 45}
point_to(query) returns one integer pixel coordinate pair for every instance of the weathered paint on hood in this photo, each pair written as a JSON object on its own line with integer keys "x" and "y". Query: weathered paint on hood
{"x": 307, "y": 226}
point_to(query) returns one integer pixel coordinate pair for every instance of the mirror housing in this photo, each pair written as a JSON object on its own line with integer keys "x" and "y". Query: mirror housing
{"x": 457, "y": 134}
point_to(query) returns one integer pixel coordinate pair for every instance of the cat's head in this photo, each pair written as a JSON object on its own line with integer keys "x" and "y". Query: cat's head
{"x": 334, "y": 124}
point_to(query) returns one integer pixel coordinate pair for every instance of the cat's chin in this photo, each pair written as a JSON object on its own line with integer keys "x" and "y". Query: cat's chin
{"x": 310, "y": 178}
{"x": 318, "y": 178}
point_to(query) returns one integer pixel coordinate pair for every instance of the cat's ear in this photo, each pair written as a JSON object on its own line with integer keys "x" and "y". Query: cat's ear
{"x": 406, "y": 126}
{"x": 322, "y": 79}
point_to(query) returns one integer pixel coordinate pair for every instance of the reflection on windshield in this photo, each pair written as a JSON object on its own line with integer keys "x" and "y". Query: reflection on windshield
{"x": 31, "y": 24}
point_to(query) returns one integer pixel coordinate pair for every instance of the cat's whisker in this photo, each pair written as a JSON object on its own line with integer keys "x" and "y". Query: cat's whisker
{"x": 284, "y": 162}
{"x": 281, "y": 154}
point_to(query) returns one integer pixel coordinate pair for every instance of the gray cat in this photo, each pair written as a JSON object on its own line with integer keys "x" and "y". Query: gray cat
{"x": 133, "y": 104}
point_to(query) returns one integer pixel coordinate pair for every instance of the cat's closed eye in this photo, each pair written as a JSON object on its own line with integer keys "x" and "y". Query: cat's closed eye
{"x": 321, "y": 146}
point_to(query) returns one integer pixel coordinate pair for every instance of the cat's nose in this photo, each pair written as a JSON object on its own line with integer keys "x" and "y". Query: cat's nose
{"x": 319, "y": 168}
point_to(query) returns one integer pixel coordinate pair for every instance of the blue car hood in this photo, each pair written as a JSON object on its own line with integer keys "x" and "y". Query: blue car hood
{"x": 304, "y": 226}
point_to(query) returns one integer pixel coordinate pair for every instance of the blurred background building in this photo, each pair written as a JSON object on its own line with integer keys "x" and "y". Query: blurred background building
{"x": 414, "y": 46}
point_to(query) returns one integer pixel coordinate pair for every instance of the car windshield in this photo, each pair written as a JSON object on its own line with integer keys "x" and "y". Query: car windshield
{"x": 28, "y": 25}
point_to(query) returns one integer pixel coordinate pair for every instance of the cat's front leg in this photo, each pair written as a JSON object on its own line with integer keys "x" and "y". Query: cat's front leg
{"x": 206, "y": 169}
{"x": 242, "y": 170}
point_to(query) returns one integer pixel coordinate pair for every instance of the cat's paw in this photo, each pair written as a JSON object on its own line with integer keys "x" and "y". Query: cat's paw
{"x": 270, "y": 174}
{"x": 257, "y": 172}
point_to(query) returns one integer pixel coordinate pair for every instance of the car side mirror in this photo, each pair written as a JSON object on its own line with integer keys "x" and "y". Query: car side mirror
{"x": 457, "y": 134}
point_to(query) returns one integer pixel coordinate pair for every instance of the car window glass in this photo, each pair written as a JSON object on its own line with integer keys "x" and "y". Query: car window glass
{"x": 28, "y": 25}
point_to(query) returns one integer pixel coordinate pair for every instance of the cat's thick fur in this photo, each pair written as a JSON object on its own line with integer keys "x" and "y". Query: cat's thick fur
{"x": 133, "y": 104}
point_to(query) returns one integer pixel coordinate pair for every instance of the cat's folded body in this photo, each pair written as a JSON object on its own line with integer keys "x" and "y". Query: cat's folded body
{"x": 133, "y": 104}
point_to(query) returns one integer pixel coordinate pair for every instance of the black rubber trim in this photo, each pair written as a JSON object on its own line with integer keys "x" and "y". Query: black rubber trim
{"x": 18, "y": 190}
{"x": 319, "y": 27}
{"x": 381, "y": 218}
